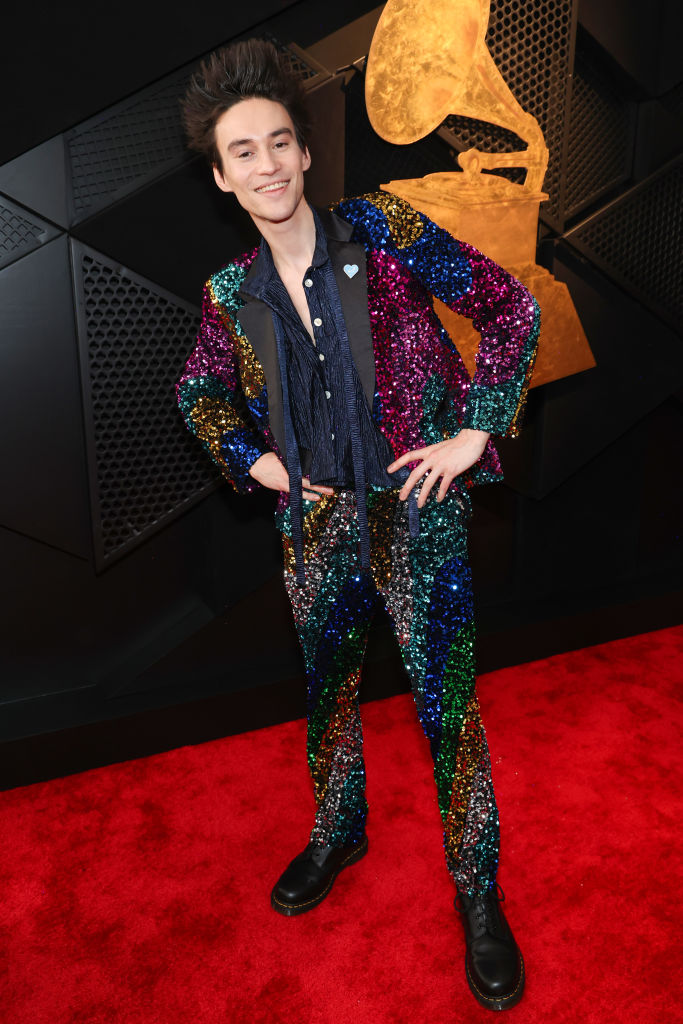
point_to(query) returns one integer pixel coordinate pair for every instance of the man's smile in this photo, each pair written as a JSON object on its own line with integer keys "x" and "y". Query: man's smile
{"x": 272, "y": 186}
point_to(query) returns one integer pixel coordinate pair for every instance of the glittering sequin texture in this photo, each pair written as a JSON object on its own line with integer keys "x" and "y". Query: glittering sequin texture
{"x": 423, "y": 392}
{"x": 221, "y": 377}
{"x": 425, "y": 584}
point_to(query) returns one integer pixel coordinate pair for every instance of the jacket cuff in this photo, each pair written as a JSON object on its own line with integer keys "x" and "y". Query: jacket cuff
{"x": 241, "y": 449}
{"x": 491, "y": 409}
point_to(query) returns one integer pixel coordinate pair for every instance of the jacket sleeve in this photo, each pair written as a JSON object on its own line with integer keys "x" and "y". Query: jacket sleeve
{"x": 500, "y": 307}
{"x": 212, "y": 401}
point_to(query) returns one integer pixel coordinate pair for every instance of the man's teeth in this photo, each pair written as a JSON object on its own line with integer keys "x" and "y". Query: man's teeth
{"x": 271, "y": 188}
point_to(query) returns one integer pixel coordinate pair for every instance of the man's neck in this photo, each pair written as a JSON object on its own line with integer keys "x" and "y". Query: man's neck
{"x": 292, "y": 242}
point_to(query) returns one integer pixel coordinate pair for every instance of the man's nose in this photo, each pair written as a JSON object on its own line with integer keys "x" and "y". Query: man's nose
{"x": 268, "y": 161}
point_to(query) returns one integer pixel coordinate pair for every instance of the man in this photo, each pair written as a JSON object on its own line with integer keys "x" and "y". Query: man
{"x": 322, "y": 372}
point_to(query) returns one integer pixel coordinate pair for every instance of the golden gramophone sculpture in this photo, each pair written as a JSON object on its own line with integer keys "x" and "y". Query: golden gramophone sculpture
{"x": 429, "y": 59}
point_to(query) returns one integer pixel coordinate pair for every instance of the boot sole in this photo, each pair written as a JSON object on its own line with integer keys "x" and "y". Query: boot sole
{"x": 497, "y": 1002}
{"x": 292, "y": 909}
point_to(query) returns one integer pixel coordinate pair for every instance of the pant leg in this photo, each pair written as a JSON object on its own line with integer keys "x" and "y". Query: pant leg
{"x": 428, "y": 594}
{"x": 333, "y": 610}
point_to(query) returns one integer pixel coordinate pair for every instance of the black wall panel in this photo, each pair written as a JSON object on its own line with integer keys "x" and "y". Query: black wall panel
{"x": 73, "y": 642}
{"x": 38, "y": 180}
{"x": 176, "y": 231}
{"x": 659, "y": 133}
{"x": 570, "y": 421}
{"x": 21, "y": 231}
{"x": 643, "y": 37}
{"x": 116, "y": 152}
{"x": 601, "y": 132}
{"x": 144, "y": 466}
{"x": 43, "y": 467}
{"x": 637, "y": 240}
{"x": 68, "y": 61}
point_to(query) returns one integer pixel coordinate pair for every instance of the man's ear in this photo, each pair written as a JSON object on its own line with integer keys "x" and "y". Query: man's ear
{"x": 307, "y": 158}
{"x": 219, "y": 179}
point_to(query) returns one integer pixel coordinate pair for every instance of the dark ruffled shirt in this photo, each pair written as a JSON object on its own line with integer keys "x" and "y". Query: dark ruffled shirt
{"x": 317, "y": 398}
{"x": 331, "y": 437}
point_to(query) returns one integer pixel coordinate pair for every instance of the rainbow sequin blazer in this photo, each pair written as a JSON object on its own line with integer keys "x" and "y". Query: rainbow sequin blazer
{"x": 389, "y": 262}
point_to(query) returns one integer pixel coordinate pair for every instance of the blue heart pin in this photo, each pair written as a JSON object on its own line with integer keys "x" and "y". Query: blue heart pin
{"x": 351, "y": 269}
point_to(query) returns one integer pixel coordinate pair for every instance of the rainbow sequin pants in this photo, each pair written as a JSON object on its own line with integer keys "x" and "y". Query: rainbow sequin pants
{"x": 425, "y": 585}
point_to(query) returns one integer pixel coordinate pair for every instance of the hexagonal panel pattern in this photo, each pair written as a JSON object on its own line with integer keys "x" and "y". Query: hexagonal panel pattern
{"x": 600, "y": 136}
{"x": 532, "y": 45}
{"x": 144, "y": 467}
{"x": 111, "y": 154}
{"x": 638, "y": 239}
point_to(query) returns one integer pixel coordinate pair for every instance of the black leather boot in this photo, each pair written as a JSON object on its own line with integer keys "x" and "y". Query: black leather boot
{"x": 310, "y": 876}
{"x": 493, "y": 961}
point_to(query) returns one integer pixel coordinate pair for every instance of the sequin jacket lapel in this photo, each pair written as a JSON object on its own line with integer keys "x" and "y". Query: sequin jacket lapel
{"x": 420, "y": 389}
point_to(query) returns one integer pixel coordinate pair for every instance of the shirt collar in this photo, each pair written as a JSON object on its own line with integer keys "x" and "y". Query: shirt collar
{"x": 263, "y": 270}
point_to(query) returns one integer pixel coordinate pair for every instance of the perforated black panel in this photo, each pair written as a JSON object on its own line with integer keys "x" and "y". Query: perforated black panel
{"x": 600, "y": 137}
{"x": 144, "y": 466}
{"x": 532, "y": 45}
{"x": 467, "y": 132}
{"x": 299, "y": 62}
{"x": 112, "y": 154}
{"x": 638, "y": 240}
{"x": 20, "y": 231}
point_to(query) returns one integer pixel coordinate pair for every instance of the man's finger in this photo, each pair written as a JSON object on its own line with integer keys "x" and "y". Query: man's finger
{"x": 405, "y": 459}
{"x": 413, "y": 479}
{"x": 446, "y": 481}
{"x": 320, "y": 488}
{"x": 426, "y": 487}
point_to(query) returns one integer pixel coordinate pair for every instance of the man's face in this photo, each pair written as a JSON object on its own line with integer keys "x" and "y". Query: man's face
{"x": 262, "y": 162}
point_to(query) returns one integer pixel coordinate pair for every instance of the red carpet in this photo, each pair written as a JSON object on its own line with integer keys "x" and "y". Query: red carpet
{"x": 138, "y": 894}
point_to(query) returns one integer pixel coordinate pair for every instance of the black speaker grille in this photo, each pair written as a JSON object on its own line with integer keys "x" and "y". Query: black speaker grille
{"x": 20, "y": 232}
{"x": 299, "y": 64}
{"x": 638, "y": 240}
{"x": 117, "y": 152}
{"x": 468, "y": 132}
{"x": 600, "y": 138}
{"x": 145, "y": 468}
{"x": 532, "y": 45}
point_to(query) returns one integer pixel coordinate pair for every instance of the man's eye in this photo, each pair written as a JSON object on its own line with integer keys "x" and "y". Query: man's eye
{"x": 245, "y": 153}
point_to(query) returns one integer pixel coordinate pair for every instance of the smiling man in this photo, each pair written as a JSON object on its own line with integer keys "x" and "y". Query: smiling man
{"x": 322, "y": 372}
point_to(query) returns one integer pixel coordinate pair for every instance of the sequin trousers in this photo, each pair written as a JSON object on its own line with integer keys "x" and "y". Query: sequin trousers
{"x": 425, "y": 584}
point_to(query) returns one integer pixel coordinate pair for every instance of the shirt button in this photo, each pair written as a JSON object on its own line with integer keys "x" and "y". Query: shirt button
{"x": 308, "y": 282}
{"x": 328, "y": 395}
{"x": 317, "y": 322}
{"x": 332, "y": 436}
{"x": 321, "y": 357}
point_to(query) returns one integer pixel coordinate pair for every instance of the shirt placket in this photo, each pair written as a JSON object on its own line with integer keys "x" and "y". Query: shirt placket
{"x": 321, "y": 339}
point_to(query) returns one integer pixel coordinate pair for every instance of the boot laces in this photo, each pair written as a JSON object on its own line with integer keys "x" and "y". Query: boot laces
{"x": 486, "y": 909}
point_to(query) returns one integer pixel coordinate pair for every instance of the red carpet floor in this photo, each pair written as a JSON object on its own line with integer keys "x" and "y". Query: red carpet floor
{"x": 138, "y": 894}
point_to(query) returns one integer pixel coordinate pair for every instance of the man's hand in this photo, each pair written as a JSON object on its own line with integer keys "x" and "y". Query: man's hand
{"x": 447, "y": 459}
{"x": 269, "y": 471}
